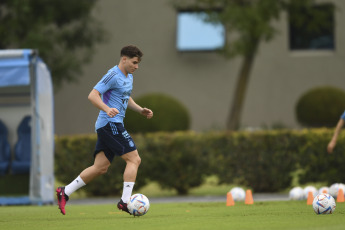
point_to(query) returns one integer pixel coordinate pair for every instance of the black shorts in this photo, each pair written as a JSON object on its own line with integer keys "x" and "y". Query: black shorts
{"x": 113, "y": 139}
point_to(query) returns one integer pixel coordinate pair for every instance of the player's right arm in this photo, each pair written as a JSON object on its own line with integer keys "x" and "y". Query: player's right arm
{"x": 96, "y": 100}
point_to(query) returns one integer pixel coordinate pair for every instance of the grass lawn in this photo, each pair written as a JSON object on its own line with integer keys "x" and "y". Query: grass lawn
{"x": 260, "y": 215}
{"x": 210, "y": 188}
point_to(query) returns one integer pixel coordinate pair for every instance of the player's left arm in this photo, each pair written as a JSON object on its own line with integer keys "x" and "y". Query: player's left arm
{"x": 333, "y": 141}
{"x": 137, "y": 108}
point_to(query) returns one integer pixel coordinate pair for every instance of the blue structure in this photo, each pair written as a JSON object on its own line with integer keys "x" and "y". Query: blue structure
{"x": 5, "y": 153}
{"x": 27, "y": 124}
{"x": 22, "y": 151}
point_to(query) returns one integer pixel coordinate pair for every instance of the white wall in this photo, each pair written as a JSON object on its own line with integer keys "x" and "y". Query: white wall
{"x": 203, "y": 81}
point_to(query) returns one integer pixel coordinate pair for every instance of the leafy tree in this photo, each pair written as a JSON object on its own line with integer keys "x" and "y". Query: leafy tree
{"x": 249, "y": 22}
{"x": 64, "y": 33}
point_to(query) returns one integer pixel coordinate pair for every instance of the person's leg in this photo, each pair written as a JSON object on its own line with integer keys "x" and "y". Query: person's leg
{"x": 99, "y": 167}
{"x": 129, "y": 176}
{"x": 133, "y": 161}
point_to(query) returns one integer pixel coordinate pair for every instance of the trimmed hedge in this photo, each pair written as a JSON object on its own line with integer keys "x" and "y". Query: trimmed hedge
{"x": 262, "y": 160}
{"x": 320, "y": 107}
{"x": 176, "y": 160}
{"x": 169, "y": 115}
{"x": 316, "y": 163}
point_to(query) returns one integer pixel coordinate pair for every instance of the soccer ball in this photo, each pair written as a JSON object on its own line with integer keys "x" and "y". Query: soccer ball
{"x": 296, "y": 193}
{"x": 334, "y": 189}
{"x": 324, "y": 204}
{"x": 138, "y": 205}
{"x": 310, "y": 189}
{"x": 324, "y": 190}
{"x": 238, "y": 194}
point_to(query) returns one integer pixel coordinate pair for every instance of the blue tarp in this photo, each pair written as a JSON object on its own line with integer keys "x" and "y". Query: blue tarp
{"x": 14, "y": 71}
{"x": 22, "y": 200}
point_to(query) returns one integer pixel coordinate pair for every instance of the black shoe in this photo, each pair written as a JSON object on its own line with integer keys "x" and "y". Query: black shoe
{"x": 123, "y": 206}
{"x": 62, "y": 199}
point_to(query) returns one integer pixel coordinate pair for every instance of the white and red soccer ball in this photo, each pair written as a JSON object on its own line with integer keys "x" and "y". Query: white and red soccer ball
{"x": 138, "y": 205}
{"x": 324, "y": 204}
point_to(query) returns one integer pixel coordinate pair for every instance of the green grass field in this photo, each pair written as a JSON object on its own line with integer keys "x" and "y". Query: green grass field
{"x": 260, "y": 215}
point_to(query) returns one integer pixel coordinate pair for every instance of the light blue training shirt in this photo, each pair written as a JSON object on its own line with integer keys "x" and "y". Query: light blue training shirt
{"x": 116, "y": 90}
{"x": 343, "y": 116}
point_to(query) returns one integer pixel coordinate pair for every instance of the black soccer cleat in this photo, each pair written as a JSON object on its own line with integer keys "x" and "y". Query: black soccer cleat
{"x": 123, "y": 206}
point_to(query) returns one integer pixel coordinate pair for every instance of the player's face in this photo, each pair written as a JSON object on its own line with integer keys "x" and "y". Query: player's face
{"x": 131, "y": 64}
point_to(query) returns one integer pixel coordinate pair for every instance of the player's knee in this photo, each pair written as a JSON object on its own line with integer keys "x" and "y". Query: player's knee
{"x": 136, "y": 160}
{"x": 102, "y": 170}
{"x": 132, "y": 158}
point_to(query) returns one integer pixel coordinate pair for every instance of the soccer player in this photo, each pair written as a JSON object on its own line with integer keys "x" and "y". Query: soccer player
{"x": 112, "y": 96}
{"x": 338, "y": 128}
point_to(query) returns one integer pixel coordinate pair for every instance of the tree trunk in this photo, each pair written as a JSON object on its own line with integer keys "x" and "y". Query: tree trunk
{"x": 234, "y": 118}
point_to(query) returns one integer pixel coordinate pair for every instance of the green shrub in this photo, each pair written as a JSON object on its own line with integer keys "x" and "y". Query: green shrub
{"x": 261, "y": 160}
{"x": 169, "y": 115}
{"x": 176, "y": 160}
{"x": 320, "y": 107}
{"x": 317, "y": 164}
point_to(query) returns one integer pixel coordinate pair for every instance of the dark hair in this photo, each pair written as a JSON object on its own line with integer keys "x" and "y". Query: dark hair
{"x": 131, "y": 51}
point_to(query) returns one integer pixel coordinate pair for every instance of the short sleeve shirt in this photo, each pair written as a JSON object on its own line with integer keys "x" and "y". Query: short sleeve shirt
{"x": 343, "y": 116}
{"x": 116, "y": 89}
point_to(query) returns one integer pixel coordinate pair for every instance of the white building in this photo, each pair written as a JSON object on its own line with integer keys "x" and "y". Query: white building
{"x": 203, "y": 81}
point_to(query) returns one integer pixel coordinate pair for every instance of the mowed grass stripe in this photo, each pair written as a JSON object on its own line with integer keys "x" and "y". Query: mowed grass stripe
{"x": 260, "y": 215}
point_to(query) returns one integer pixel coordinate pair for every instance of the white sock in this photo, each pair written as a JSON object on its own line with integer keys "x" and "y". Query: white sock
{"x": 127, "y": 191}
{"x": 74, "y": 186}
